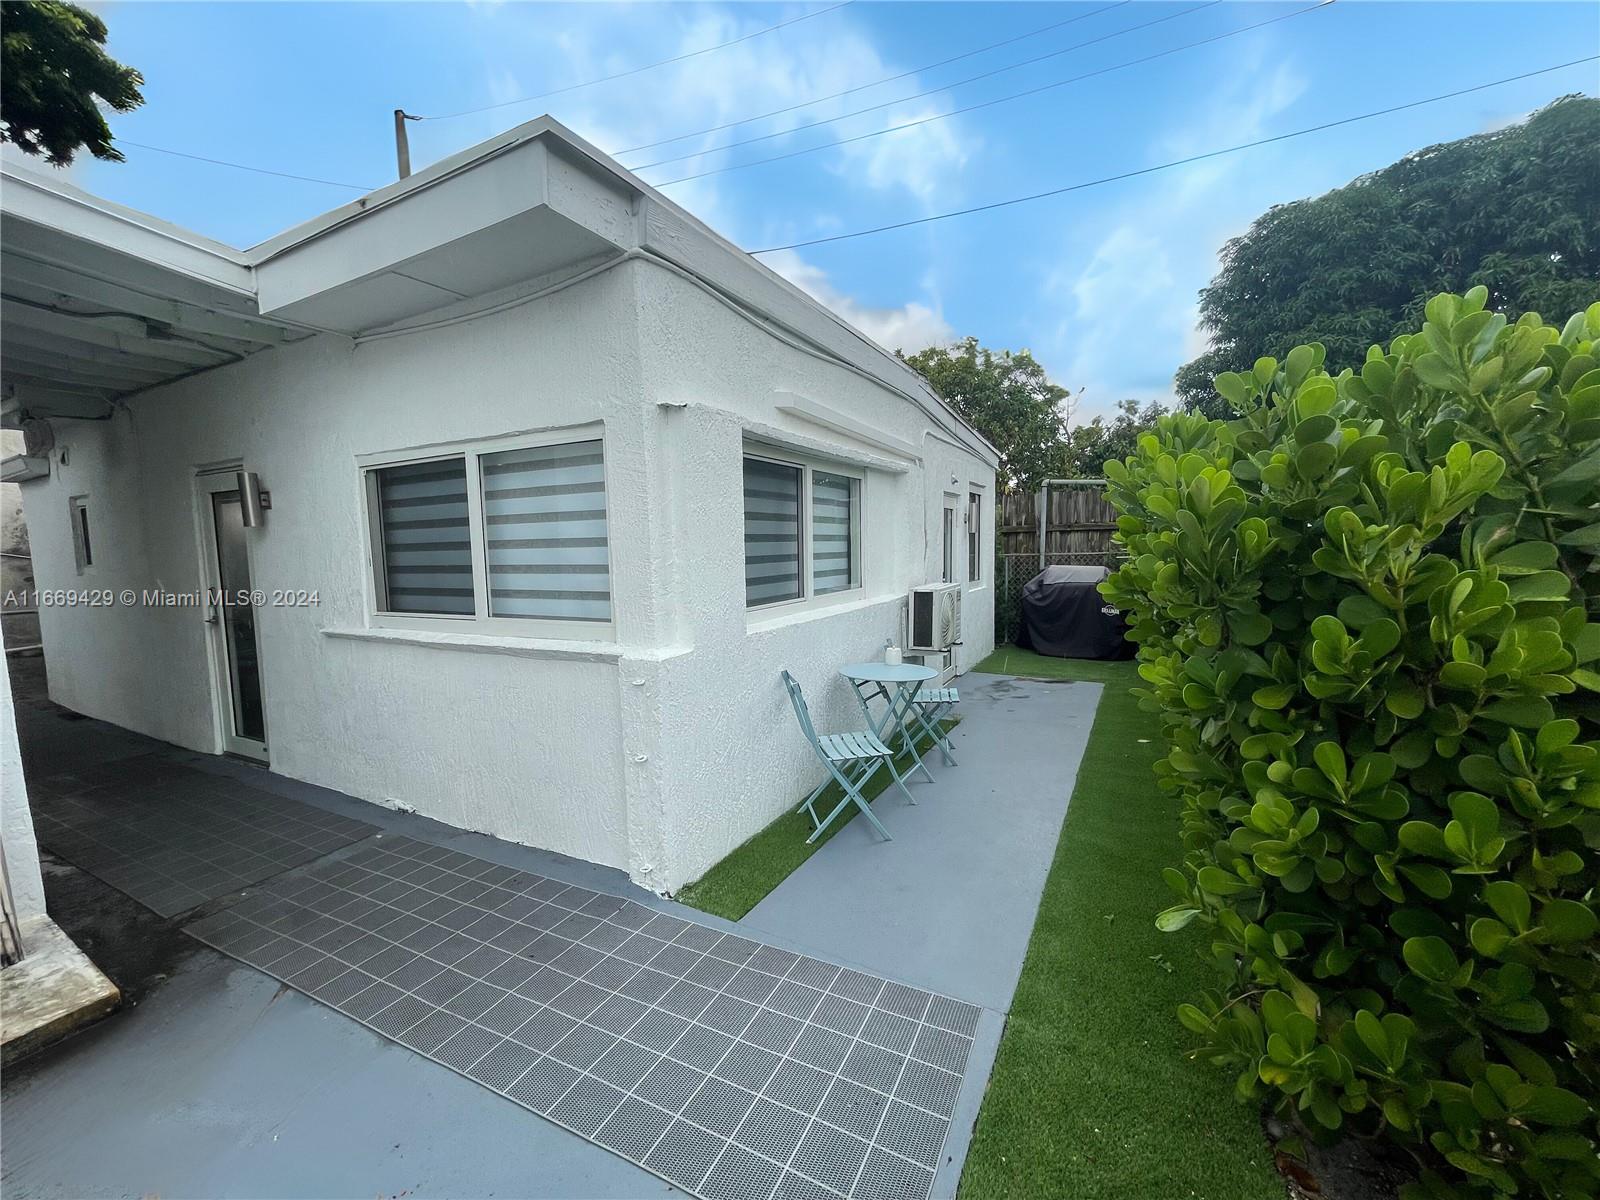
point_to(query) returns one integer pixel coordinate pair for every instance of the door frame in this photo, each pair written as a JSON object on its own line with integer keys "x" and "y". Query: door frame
{"x": 209, "y": 482}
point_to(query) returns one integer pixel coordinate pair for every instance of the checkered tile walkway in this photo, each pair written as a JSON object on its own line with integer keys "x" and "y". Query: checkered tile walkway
{"x": 173, "y": 837}
{"x": 735, "y": 1070}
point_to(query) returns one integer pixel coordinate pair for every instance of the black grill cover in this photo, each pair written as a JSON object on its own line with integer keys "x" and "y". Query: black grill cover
{"x": 1065, "y": 616}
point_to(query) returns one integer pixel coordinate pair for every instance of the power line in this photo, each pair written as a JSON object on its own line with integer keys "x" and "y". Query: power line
{"x": 955, "y": 112}
{"x": 661, "y": 162}
{"x": 944, "y": 62}
{"x": 1179, "y": 162}
{"x": 572, "y": 87}
{"x": 218, "y": 162}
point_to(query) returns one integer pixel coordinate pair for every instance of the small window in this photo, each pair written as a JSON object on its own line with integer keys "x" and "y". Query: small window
{"x": 510, "y": 536}
{"x": 427, "y": 545}
{"x": 948, "y": 543}
{"x": 82, "y": 547}
{"x": 835, "y": 550}
{"x": 802, "y": 531}
{"x": 771, "y": 532}
{"x": 544, "y": 522}
{"x": 974, "y": 536}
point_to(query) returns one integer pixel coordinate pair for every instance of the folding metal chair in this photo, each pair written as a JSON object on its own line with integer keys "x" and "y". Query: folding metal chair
{"x": 851, "y": 758}
{"x": 929, "y": 710}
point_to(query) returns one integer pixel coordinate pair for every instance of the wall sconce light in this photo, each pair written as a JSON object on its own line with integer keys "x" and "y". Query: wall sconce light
{"x": 253, "y": 501}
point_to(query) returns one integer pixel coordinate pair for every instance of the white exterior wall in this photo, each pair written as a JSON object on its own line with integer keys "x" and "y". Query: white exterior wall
{"x": 658, "y": 753}
{"x": 528, "y": 748}
{"x": 735, "y": 757}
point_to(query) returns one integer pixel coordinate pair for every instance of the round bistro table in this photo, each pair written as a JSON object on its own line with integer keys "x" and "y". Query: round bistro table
{"x": 896, "y": 685}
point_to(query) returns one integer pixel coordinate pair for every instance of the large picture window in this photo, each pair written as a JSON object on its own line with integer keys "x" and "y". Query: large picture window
{"x": 513, "y": 536}
{"x": 802, "y": 531}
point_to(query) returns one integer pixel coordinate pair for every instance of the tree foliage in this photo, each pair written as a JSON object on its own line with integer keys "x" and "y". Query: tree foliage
{"x": 1516, "y": 211}
{"x": 1007, "y": 397}
{"x": 1091, "y": 444}
{"x": 1369, "y": 611}
{"x": 53, "y": 70}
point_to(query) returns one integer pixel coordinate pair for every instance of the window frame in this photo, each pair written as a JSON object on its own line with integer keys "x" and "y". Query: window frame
{"x": 479, "y": 621}
{"x": 808, "y": 465}
{"x": 947, "y": 538}
{"x": 82, "y": 542}
{"x": 974, "y": 535}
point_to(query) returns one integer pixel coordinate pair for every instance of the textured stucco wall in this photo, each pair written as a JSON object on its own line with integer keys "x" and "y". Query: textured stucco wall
{"x": 735, "y": 758}
{"x": 658, "y": 755}
{"x": 528, "y": 748}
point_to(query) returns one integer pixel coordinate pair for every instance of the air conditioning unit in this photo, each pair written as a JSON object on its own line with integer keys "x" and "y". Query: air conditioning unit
{"x": 934, "y": 614}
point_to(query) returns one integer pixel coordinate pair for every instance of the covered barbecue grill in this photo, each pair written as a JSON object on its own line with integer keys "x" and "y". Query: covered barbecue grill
{"x": 1065, "y": 616}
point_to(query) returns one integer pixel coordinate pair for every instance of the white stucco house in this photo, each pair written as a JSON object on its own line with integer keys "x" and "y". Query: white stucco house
{"x": 557, "y": 481}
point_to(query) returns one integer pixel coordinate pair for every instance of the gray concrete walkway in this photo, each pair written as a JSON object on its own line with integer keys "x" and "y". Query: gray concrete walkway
{"x": 949, "y": 904}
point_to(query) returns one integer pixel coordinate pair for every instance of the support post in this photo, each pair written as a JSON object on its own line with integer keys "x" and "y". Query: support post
{"x": 1044, "y": 518}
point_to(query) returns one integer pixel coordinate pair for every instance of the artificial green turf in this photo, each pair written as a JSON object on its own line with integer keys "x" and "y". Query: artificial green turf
{"x": 739, "y": 882}
{"x": 1091, "y": 1097}
{"x": 1008, "y": 660}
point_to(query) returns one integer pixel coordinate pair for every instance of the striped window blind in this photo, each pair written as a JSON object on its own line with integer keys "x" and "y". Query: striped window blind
{"x": 771, "y": 532}
{"x": 427, "y": 549}
{"x": 544, "y": 513}
{"x": 833, "y": 550}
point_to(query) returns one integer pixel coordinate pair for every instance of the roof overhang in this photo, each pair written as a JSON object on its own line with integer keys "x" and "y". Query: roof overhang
{"x": 98, "y": 301}
{"x": 518, "y": 207}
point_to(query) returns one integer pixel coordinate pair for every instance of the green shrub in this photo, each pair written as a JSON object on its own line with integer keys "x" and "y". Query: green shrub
{"x": 1367, "y": 611}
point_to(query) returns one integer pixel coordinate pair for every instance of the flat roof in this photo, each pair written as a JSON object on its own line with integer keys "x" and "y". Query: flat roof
{"x": 441, "y": 236}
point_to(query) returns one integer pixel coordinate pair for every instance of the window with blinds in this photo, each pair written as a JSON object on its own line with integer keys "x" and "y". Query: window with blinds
{"x": 426, "y": 539}
{"x": 974, "y": 537}
{"x": 771, "y": 532}
{"x": 544, "y": 535}
{"x": 834, "y": 560}
{"x": 802, "y": 531}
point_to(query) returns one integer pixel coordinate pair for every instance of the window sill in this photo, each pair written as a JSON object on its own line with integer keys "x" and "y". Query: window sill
{"x": 480, "y": 643}
{"x": 765, "y": 620}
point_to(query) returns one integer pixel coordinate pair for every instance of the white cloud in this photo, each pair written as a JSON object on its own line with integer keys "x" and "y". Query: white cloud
{"x": 924, "y": 159}
{"x": 1129, "y": 300}
{"x": 787, "y": 67}
{"x": 912, "y": 326}
{"x": 811, "y": 58}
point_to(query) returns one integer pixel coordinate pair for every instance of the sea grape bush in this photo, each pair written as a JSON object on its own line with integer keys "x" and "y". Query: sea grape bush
{"x": 1368, "y": 610}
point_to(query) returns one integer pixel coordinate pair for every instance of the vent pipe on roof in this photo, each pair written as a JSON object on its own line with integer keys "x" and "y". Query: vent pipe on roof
{"x": 402, "y": 144}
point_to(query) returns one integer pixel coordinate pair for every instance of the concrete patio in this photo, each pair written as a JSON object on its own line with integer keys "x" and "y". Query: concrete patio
{"x": 221, "y": 1081}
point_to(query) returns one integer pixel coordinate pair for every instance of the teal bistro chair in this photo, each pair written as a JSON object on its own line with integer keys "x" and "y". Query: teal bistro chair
{"x": 929, "y": 709}
{"x": 851, "y": 758}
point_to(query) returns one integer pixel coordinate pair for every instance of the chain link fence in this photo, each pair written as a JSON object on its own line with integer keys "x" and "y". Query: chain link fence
{"x": 1014, "y": 570}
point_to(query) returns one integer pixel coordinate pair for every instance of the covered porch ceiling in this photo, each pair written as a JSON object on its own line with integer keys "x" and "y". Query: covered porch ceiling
{"x": 98, "y": 302}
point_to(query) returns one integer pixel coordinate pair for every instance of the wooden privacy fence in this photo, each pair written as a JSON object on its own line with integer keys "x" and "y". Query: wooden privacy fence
{"x": 1076, "y": 522}
{"x": 1077, "y": 519}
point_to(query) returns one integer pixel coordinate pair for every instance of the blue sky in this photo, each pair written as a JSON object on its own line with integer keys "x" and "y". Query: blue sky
{"x": 1100, "y": 284}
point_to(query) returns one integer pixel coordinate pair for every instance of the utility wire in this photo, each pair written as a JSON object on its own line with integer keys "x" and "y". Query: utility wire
{"x": 217, "y": 162}
{"x": 660, "y": 162}
{"x": 955, "y": 112}
{"x": 943, "y": 62}
{"x": 572, "y": 87}
{"x": 1179, "y": 162}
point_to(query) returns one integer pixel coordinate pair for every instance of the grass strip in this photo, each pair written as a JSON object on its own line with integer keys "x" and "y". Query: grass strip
{"x": 1091, "y": 1097}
